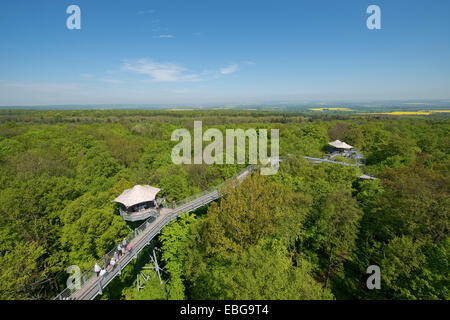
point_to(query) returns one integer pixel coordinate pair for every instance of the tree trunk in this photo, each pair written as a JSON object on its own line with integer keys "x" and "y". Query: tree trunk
{"x": 329, "y": 267}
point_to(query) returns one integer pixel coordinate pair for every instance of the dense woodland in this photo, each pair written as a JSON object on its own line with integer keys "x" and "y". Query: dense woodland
{"x": 308, "y": 232}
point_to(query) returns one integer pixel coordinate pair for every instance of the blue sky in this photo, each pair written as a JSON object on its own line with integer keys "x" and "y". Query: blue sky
{"x": 222, "y": 52}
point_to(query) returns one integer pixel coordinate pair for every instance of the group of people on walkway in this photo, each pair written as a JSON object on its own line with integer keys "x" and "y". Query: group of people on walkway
{"x": 108, "y": 263}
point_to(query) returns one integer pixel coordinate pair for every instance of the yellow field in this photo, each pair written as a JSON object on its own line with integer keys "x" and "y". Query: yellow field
{"x": 409, "y": 113}
{"x": 330, "y": 109}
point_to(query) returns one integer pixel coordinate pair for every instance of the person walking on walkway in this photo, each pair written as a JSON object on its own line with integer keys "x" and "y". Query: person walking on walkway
{"x": 97, "y": 269}
{"x": 124, "y": 246}
{"x": 106, "y": 261}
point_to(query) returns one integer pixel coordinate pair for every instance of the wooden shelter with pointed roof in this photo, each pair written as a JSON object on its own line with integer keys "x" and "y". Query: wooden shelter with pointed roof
{"x": 138, "y": 203}
{"x": 337, "y": 144}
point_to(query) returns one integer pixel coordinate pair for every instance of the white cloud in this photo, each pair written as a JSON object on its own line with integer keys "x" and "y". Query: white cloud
{"x": 146, "y": 11}
{"x": 161, "y": 72}
{"x": 230, "y": 69}
{"x": 170, "y": 72}
{"x": 43, "y": 86}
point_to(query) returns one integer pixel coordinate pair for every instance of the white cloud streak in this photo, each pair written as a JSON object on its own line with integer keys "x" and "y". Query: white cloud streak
{"x": 230, "y": 69}
{"x": 161, "y": 72}
{"x": 145, "y": 11}
{"x": 43, "y": 86}
{"x": 170, "y": 72}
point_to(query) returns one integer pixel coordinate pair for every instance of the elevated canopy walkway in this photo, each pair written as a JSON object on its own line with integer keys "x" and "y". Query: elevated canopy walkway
{"x": 92, "y": 285}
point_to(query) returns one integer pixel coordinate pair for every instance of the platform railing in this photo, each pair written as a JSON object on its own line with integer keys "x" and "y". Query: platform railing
{"x": 138, "y": 215}
{"x": 207, "y": 191}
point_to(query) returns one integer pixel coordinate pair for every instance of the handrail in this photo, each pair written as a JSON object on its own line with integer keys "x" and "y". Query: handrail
{"x": 139, "y": 215}
{"x": 330, "y": 161}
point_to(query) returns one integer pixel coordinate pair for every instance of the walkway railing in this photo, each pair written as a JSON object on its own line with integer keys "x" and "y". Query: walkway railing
{"x": 90, "y": 273}
{"x": 181, "y": 203}
{"x": 316, "y": 160}
{"x": 139, "y": 215}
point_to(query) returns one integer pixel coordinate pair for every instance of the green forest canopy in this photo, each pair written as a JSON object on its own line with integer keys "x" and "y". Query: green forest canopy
{"x": 308, "y": 232}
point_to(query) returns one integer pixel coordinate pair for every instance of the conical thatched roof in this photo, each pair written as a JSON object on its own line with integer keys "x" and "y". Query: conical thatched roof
{"x": 340, "y": 145}
{"x": 137, "y": 194}
{"x": 367, "y": 177}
